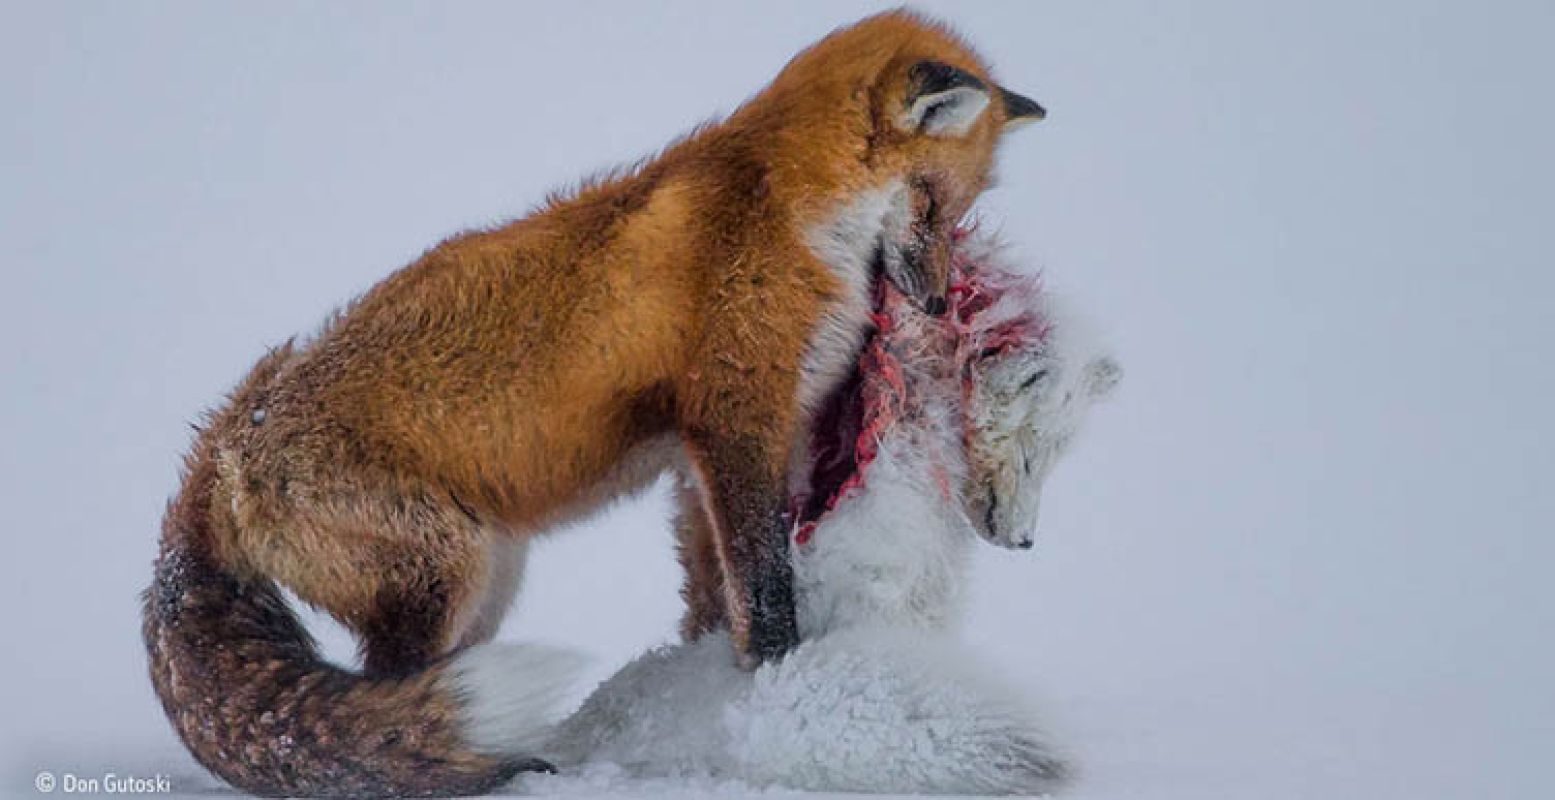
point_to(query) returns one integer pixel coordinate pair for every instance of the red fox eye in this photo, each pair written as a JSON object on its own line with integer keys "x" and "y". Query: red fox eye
{"x": 989, "y": 352}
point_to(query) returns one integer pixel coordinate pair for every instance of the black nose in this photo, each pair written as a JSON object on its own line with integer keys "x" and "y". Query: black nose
{"x": 1027, "y": 543}
{"x": 936, "y": 306}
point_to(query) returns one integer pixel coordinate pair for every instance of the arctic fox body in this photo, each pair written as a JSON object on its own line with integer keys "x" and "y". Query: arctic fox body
{"x": 881, "y": 697}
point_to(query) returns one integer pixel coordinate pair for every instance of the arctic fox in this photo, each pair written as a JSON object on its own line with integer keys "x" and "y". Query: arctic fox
{"x": 960, "y": 420}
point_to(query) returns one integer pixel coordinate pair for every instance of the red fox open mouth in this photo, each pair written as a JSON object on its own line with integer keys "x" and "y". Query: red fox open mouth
{"x": 911, "y": 364}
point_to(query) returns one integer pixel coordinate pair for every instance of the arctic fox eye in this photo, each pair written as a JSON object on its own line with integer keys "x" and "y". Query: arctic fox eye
{"x": 1035, "y": 376}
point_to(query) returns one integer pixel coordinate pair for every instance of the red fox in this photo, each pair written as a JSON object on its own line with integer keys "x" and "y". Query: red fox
{"x": 694, "y": 313}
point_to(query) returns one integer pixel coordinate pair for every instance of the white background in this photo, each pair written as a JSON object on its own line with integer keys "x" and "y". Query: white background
{"x": 1303, "y": 554}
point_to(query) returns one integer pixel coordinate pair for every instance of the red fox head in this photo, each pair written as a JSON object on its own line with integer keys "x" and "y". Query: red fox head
{"x": 897, "y": 121}
{"x": 940, "y": 123}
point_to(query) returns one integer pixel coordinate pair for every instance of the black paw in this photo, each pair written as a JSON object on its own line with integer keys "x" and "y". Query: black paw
{"x": 774, "y": 630}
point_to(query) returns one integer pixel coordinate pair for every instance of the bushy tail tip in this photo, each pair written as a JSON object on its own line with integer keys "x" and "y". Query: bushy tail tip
{"x": 511, "y": 694}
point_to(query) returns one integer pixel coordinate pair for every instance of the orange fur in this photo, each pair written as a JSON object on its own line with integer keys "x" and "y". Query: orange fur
{"x": 508, "y": 372}
{"x": 514, "y": 378}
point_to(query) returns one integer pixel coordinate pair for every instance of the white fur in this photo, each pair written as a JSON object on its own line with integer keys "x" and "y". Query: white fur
{"x": 893, "y": 710}
{"x": 954, "y": 111}
{"x": 893, "y": 555}
{"x": 1018, "y": 434}
{"x": 872, "y": 709}
{"x": 510, "y": 694}
{"x": 846, "y": 243}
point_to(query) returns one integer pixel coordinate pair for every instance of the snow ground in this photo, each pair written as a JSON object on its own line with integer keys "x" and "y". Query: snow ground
{"x": 1304, "y": 552}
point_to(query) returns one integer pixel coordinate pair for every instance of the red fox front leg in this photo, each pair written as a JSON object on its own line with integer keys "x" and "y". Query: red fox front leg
{"x": 744, "y": 492}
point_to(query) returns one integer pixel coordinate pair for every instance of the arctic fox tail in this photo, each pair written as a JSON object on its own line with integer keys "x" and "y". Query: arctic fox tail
{"x": 243, "y": 684}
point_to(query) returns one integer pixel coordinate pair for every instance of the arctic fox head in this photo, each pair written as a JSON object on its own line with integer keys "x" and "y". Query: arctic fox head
{"x": 1024, "y": 403}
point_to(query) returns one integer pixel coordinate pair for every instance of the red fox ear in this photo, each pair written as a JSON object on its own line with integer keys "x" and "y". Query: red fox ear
{"x": 1019, "y": 109}
{"x": 942, "y": 100}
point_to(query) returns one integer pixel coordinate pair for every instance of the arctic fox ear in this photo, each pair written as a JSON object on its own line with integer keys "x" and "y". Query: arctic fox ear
{"x": 1101, "y": 377}
{"x": 942, "y": 100}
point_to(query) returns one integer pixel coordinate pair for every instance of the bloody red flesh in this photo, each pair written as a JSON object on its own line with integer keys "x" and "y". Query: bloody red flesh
{"x": 847, "y": 430}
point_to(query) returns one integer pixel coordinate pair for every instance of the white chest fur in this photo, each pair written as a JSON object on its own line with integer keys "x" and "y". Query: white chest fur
{"x": 847, "y": 242}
